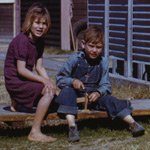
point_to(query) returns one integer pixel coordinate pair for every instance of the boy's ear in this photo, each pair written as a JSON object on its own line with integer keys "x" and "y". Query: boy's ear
{"x": 83, "y": 44}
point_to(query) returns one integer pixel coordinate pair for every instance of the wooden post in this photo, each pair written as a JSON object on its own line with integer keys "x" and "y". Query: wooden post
{"x": 129, "y": 40}
{"x": 106, "y": 32}
{"x": 85, "y": 101}
{"x": 76, "y": 44}
{"x": 65, "y": 27}
{"x": 72, "y": 37}
{"x": 16, "y": 17}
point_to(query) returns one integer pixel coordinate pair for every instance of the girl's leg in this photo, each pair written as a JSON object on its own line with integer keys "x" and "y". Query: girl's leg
{"x": 13, "y": 105}
{"x": 42, "y": 107}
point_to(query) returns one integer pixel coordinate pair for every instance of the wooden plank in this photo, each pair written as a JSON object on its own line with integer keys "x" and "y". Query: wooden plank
{"x": 80, "y": 99}
{"x": 7, "y": 1}
{"x": 140, "y": 108}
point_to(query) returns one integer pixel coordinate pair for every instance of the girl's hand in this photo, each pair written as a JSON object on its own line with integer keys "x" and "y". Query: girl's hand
{"x": 47, "y": 90}
{"x": 48, "y": 84}
{"x": 77, "y": 84}
{"x": 93, "y": 97}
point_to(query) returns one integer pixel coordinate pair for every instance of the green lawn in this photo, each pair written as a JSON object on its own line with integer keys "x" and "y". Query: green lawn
{"x": 96, "y": 134}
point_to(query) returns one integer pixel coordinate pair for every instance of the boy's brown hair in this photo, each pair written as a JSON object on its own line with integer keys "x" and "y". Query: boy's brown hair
{"x": 36, "y": 10}
{"x": 94, "y": 34}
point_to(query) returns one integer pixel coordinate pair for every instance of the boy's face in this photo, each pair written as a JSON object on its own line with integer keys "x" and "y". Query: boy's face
{"x": 92, "y": 50}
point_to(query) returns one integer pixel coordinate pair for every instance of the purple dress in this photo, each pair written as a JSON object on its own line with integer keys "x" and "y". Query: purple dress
{"x": 22, "y": 90}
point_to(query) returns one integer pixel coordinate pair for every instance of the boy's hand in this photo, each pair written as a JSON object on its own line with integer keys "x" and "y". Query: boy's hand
{"x": 77, "y": 84}
{"x": 93, "y": 97}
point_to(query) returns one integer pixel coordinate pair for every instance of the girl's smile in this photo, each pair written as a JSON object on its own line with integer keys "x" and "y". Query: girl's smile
{"x": 38, "y": 28}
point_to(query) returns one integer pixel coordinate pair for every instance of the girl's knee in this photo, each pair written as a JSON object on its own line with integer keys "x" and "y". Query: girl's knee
{"x": 48, "y": 96}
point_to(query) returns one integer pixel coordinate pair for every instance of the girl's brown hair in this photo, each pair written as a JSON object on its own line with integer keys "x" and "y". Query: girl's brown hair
{"x": 36, "y": 10}
{"x": 94, "y": 34}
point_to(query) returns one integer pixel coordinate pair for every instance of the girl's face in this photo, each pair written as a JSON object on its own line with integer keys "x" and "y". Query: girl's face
{"x": 38, "y": 28}
{"x": 92, "y": 50}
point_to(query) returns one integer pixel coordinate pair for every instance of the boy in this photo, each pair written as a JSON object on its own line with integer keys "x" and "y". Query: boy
{"x": 88, "y": 71}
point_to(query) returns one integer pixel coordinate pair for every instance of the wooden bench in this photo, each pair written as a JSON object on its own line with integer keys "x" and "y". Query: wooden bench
{"x": 140, "y": 108}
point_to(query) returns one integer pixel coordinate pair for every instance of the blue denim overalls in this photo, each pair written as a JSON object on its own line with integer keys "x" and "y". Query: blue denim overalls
{"x": 90, "y": 74}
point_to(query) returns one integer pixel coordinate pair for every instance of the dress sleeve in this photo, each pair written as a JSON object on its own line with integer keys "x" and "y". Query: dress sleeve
{"x": 21, "y": 48}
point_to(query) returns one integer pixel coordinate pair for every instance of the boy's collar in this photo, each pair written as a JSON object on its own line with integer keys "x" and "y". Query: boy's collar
{"x": 82, "y": 54}
{"x": 90, "y": 61}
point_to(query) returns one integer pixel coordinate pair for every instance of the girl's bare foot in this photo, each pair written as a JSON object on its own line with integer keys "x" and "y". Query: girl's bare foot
{"x": 39, "y": 137}
{"x": 12, "y": 109}
{"x": 13, "y": 106}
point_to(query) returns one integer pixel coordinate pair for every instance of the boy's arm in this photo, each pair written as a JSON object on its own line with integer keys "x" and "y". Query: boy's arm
{"x": 104, "y": 84}
{"x": 64, "y": 75}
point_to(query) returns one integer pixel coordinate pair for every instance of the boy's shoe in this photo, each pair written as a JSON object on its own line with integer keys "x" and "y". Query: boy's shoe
{"x": 73, "y": 134}
{"x": 137, "y": 129}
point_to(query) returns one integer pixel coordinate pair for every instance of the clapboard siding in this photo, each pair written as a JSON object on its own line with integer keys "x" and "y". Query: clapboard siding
{"x": 127, "y": 33}
{"x": 54, "y": 6}
{"x": 79, "y": 19}
{"x": 53, "y": 37}
{"x": 141, "y": 31}
{"x": 79, "y": 10}
{"x": 6, "y": 21}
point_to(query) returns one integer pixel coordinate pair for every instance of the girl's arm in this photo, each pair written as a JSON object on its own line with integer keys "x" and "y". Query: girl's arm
{"x": 41, "y": 69}
{"x": 24, "y": 72}
{"x": 41, "y": 77}
{"x": 42, "y": 72}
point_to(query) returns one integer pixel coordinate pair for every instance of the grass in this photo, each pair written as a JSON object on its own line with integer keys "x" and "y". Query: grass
{"x": 130, "y": 92}
{"x": 96, "y": 134}
{"x": 56, "y": 51}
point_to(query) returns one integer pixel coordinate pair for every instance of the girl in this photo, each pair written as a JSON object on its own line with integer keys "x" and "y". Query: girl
{"x": 24, "y": 86}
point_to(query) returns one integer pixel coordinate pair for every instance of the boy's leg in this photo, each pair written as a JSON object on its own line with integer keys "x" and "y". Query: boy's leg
{"x": 73, "y": 131}
{"x": 121, "y": 109}
{"x": 68, "y": 108}
{"x": 136, "y": 128}
{"x": 128, "y": 119}
{"x": 70, "y": 119}
{"x": 67, "y": 101}
{"x": 42, "y": 107}
{"x": 114, "y": 106}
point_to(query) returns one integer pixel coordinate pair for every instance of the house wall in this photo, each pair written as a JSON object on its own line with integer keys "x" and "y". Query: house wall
{"x": 127, "y": 34}
{"x": 11, "y": 22}
{"x": 6, "y": 22}
{"x": 79, "y": 20}
{"x": 53, "y": 37}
